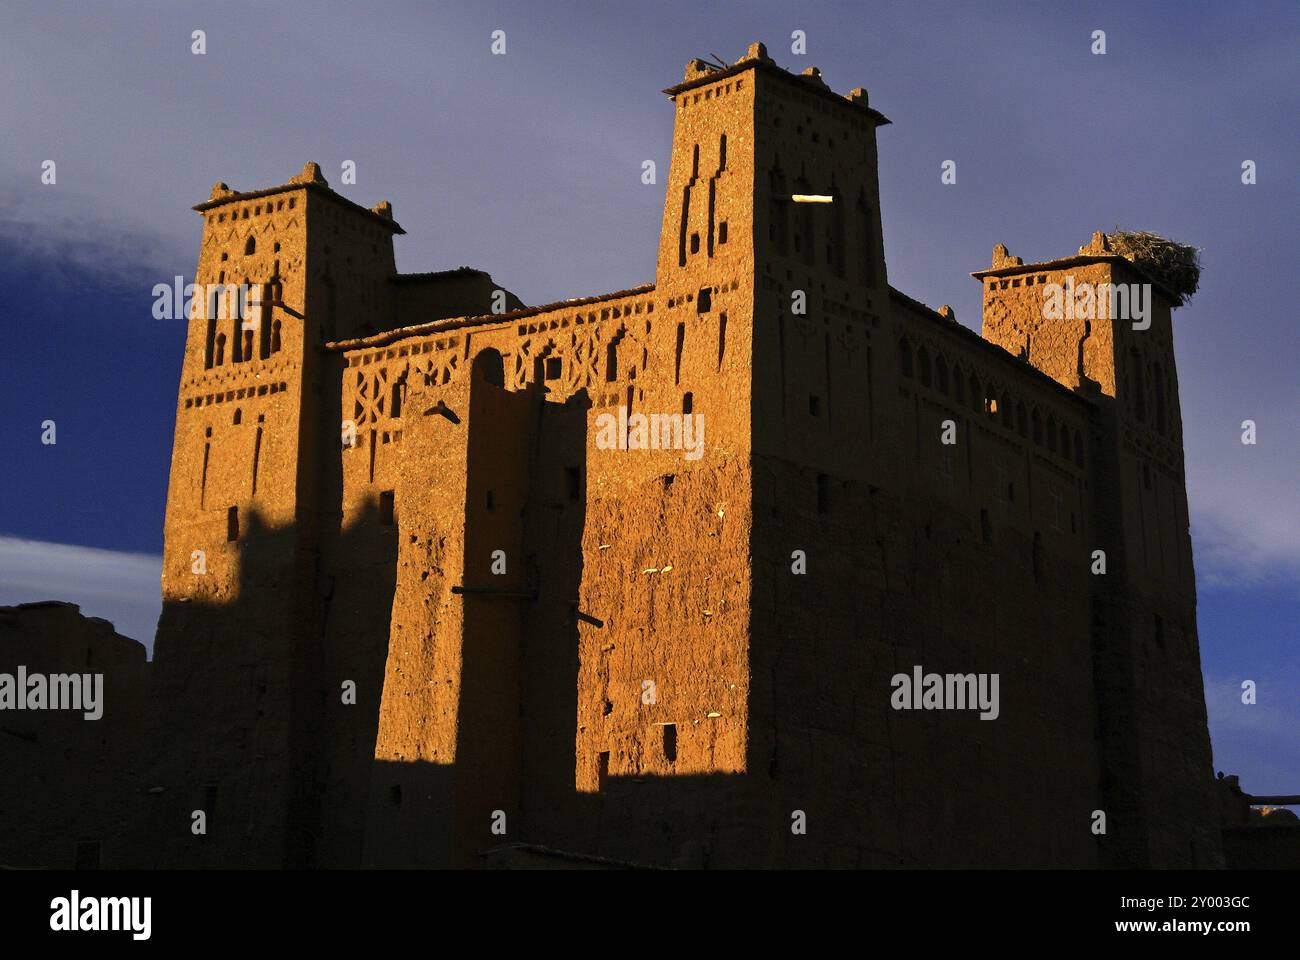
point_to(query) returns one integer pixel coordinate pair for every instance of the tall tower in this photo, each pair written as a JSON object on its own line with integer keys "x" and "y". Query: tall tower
{"x": 1098, "y": 324}
{"x": 771, "y": 249}
{"x": 774, "y": 184}
{"x": 253, "y": 488}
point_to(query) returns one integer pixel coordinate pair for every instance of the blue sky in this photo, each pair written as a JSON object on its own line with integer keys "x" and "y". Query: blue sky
{"x": 528, "y": 165}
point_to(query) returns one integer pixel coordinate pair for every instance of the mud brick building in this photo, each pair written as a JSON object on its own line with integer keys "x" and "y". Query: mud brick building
{"x": 429, "y": 604}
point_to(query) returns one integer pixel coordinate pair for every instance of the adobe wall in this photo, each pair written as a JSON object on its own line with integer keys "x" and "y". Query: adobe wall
{"x": 922, "y": 554}
{"x": 656, "y": 528}
{"x": 70, "y": 789}
{"x": 422, "y": 297}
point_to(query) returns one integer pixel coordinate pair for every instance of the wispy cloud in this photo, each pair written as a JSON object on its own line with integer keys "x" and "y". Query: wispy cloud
{"x": 123, "y": 588}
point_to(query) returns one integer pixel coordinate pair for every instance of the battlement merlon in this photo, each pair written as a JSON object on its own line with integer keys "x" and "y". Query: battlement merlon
{"x": 312, "y": 179}
{"x": 1096, "y": 251}
{"x": 701, "y": 72}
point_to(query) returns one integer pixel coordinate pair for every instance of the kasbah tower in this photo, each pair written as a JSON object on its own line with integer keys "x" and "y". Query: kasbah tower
{"x": 435, "y": 623}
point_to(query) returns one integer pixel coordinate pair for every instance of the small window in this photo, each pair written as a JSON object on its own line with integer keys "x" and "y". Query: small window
{"x": 722, "y": 233}
{"x": 704, "y": 300}
{"x": 250, "y": 247}
{"x": 611, "y": 363}
{"x": 688, "y": 403}
{"x": 670, "y": 742}
{"x": 695, "y": 243}
{"x": 553, "y": 367}
{"x": 386, "y": 508}
{"x": 602, "y": 770}
{"x": 232, "y": 524}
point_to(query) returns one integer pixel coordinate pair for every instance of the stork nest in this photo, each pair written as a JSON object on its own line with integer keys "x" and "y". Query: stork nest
{"x": 1176, "y": 266}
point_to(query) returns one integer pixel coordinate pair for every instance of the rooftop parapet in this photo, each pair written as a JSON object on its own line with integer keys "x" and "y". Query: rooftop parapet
{"x": 310, "y": 178}
{"x": 700, "y": 72}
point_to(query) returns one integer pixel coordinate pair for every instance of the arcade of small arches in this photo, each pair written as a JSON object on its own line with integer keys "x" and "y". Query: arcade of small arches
{"x": 997, "y": 403}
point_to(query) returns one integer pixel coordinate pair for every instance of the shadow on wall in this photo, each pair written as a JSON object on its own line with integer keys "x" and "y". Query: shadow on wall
{"x": 248, "y": 722}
